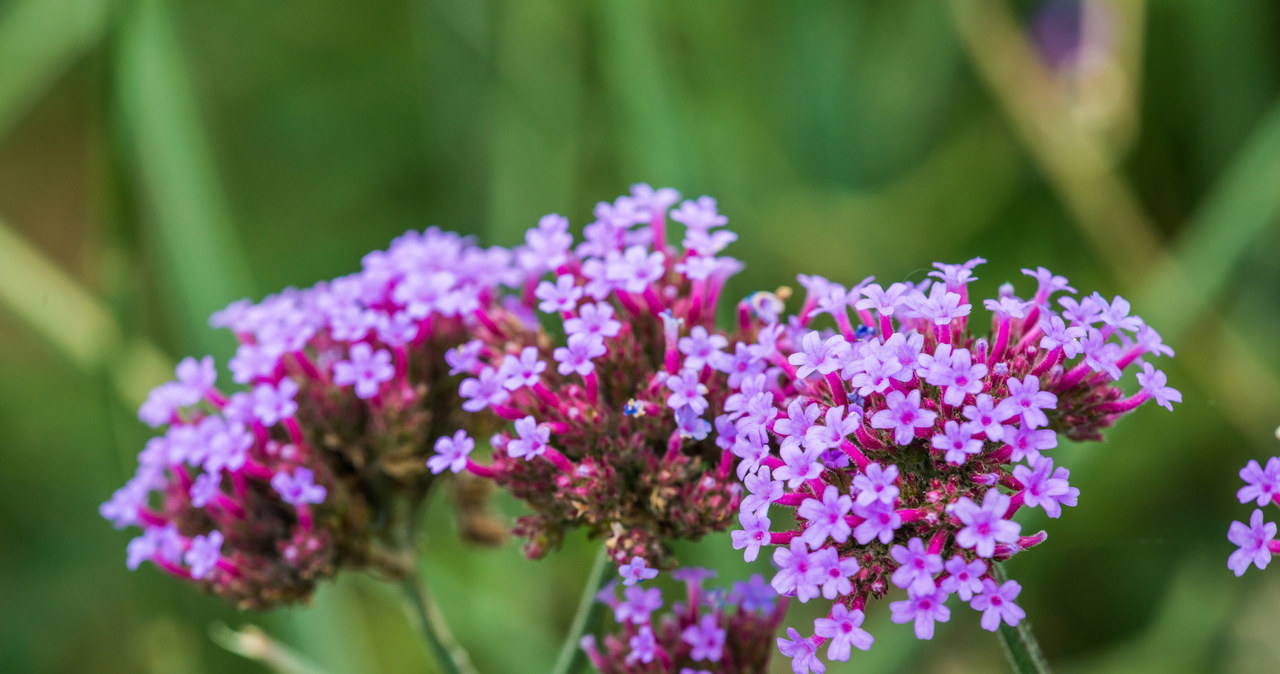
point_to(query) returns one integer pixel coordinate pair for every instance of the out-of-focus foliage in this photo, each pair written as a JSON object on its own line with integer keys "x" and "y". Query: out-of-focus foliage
{"x": 169, "y": 156}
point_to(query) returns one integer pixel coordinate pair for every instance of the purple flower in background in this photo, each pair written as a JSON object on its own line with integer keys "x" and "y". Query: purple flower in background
{"x": 486, "y": 389}
{"x": 1254, "y": 542}
{"x": 451, "y": 453}
{"x": 754, "y": 533}
{"x": 204, "y": 553}
{"x": 686, "y": 389}
{"x": 638, "y": 604}
{"x": 1155, "y": 384}
{"x": 578, "y": 356}
{"x": 957, "y": 441}
{"x": 464, "y": 358}
{"x": 1026, "y": 398}
{"x": 593, "y": 319}
{"x": 701, "y": 348}
{"x": 367, "y": 370}
{"x": 637, "y": 571}
{"x": 880, "y": 522}
{"x": 299, "y": 488}
{"x": 876, "y": 484}
{"x": 196, "y": 376}
{"x": 524, "y": 370}
{"x": 1045, "y": 487}
{"x": 826, "y": 517}
{"x": 531, "y": 439}
{"x": 643, "y": 646}
{"x": 272, "y": 404}
{"x": 563, "y": 295}
{"x": 706, "y": 639}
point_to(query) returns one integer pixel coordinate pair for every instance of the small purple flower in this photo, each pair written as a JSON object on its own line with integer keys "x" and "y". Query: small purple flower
{"x": 753, "y": 595}
{"x": 918, "y": 567}
{"x": 881, "y": 300}
{"x": 1262, "y": 485}
{"x": 163, "y": 402}
{"x": 1116, "y": 314}
{"x": 985, "y": 525}
{"x": 164, "y": 542}
{"x": 753, "y": 535}
{"x": 398, "y": 329}
{"x": 549, "y": 243}
{"x": 706, "y": 639}
{"x": 196, "y": 376}
{"x": 1155, "y": 384}
{"x": 635, "y": 269}
{"x": 881, "y": 522}
{"x": 816, "y": 355}
{"x": 843, "y": 628}
{"x": 700, "y": 214}
{"x": 762, "y": 490}
{"x": 964, "y": 578}
{"x": 593, "y": 319}
{"x": 798, "y": 420}
{"x": 1049, "y": 283}
{"x": 904, "y": 415}
{"x": 464, "y": 358}
{"x": 1027, "y": 441}
{"x": 996, "y": 604}
{"x": 924, "y": 609}
{"x": 836, "y": 426}
{"x": 1057, "y": 334}
{"x": 955, "y": 370}
{"x": 701, "y": 348}
{"x": 803, "y": 652}
{"x": 876, "y": 484}
{"x": 1253, "y": 540}
{"x": 798, "y": 574}
{"x": 563, "y": 295}
{"x": 957, "y": 441}
{"x": 204, "y": 553}
{"x": 1007, "y": 307}
{"x": 273, "y": 404}
{"x": 987, "y": 415}
{"x": 577, "y": 357}
{"x": 367, "y": 369}
{"x": 637, "y": 571}
{"x": 1026, "y": 398}
{"x": 451, "y": 453}
{"x": 1045, "y": 487}
{"x": 690, "y": 425}
{"x": 836, "y": 572}
{"x": 686, "y": 389}
{"x": 531, "y": 441}
{"x": 205, "y": 488}
{"x": 483, "y": 390}
{"x": 522, "y": 371}
{"x": 826, "y": 517}
{"x": 643, "y": 646}
{"x": 638, "y": 604}
{"x": 299, "y": 488}
{"x": 942, "y": 306}
{"x": 122, "y": 509}
{"x": 798, "y": 465}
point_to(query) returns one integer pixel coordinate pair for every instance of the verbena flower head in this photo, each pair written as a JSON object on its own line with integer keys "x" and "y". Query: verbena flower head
{"x": 711, "y": 630}
{"x": 257, "y": 494}
{"x": 610, "y": 393}
{"x": 899, "y": 446}
{"x": 1256, "y": 541}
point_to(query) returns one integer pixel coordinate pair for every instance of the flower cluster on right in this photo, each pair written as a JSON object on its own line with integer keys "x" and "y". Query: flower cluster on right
{"x": 899, "y": 450}
{"x": 1257, "y": 540}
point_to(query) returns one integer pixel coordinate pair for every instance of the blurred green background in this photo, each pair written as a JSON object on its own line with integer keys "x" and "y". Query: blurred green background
{"x": 160, "y": 158}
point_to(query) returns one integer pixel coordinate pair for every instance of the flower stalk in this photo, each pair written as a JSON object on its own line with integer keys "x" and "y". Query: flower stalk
{"x": 1019, "y": 642}
{"x": 572, "y": 657}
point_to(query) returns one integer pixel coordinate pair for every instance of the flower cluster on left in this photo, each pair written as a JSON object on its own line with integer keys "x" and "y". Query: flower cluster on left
{"x": 318, "y": 462}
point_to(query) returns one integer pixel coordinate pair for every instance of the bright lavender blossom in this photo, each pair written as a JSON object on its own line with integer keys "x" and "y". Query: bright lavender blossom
{"x": 1256, "y": 541}
{"x": 937, "y": 435}
{"x": 710, "y": 630}
{"x": 637, "y": 571}
{"x": 996, "y": 604}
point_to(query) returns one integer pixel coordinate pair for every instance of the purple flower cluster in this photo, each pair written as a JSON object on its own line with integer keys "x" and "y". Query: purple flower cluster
{"x": 611, "y": 390}
{"x": 901, "y": 448}
{"x": 1256, "y": 542}
{"x": 711, "y": 631}
{"x": 257, "y": 494}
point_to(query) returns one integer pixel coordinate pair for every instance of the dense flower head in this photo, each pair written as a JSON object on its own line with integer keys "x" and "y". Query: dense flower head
{"x": 898, "y": 446}
{"x": 259, "y": 493}
{"x": 712, "y": 630}
{"x": 612, "y": 376}
{"x": 1256, "y": 541}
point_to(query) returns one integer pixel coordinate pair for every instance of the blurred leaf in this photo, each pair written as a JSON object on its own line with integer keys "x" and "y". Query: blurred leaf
{"x": 201, "y": 261}
{"x": 39, "y": 40}
{"x": 73, "y": 321}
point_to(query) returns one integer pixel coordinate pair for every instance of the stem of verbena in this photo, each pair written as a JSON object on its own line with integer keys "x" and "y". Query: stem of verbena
{"x": 448, "y": 653}
{"x": 1020, "y": 644}
{"x": 572, "y": 656}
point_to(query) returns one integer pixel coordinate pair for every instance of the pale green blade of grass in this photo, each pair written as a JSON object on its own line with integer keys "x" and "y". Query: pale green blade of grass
{"x": 75, "y": 322}
{"x": 190, "y": 227}
{"x": 39, "y": 41}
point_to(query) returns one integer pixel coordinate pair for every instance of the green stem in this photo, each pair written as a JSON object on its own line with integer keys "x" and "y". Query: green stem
{"x": 571, "y": 655}
{"x": 1020, "y": 644}
{"x": 449, "y": 654}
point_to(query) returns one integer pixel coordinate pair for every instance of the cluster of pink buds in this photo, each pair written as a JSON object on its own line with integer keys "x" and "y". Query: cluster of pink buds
{"x": 610, "y": 403}
{"x": 1257, "y": 540}
{"x": 257, "y": 494}
{"x": 711, "y": 631}
{"x": 900, "y": 449}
